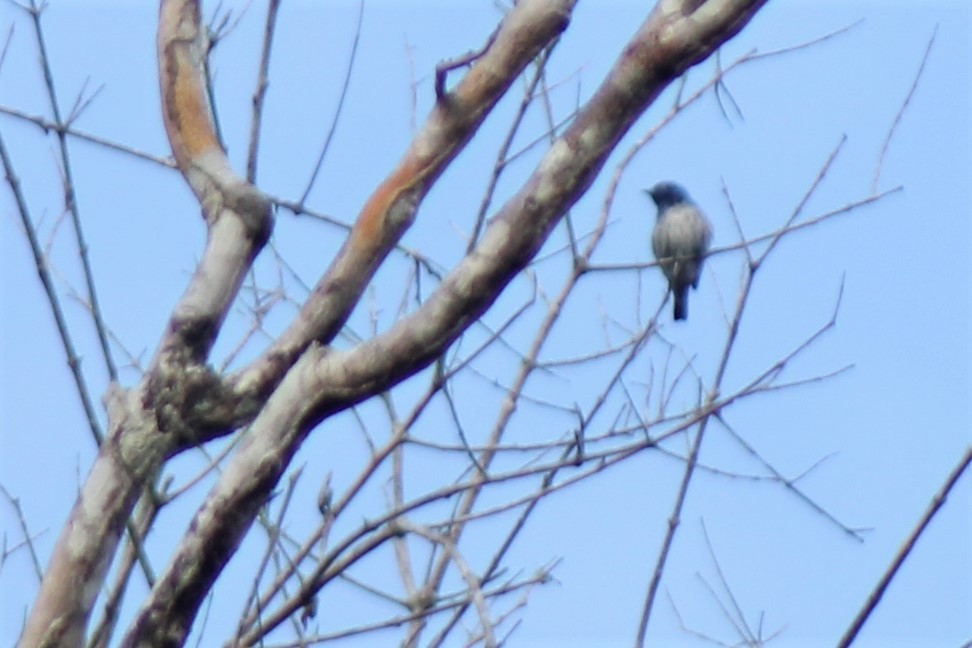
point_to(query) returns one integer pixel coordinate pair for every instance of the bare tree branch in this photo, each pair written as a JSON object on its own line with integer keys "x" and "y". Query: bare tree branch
{"x": 70, "y": 191}
{"x": 933, "y": 507}
{"x": 897, "y": 118}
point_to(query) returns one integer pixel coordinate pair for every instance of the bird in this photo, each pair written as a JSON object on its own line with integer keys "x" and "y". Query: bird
{"x": 679, "y": 240}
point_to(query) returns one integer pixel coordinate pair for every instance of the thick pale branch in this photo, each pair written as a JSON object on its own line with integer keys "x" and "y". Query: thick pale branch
{"x": 127, "y": 459}
{"x": 223, "y": 195}
{"x": 225, "y": 516}
{"x": 169, "y": 409}
{"x": 390, "y": 210}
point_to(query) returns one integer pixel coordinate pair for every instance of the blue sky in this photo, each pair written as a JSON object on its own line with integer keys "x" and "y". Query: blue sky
{"x": 889, "y": 430}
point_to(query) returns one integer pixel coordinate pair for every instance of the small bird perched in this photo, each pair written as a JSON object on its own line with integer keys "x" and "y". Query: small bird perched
{"x": 680, "y": 240}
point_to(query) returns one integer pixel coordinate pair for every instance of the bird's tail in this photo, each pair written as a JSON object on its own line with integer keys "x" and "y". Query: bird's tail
{"x": 680, "y": 302}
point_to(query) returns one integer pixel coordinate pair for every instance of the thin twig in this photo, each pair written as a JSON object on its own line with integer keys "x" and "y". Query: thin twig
{"x": 28, "y": 539}
{"x": 882, "y": 585}
{"x": 897, "y": 118}
{"x": 340, "y": 105}
{"x": 44, "y": 273}
{"x": 260, "y": 93}
{"x": 71, "y": 198}
{"x": 48, "y": 125}
{"x": 272, "y": 540}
